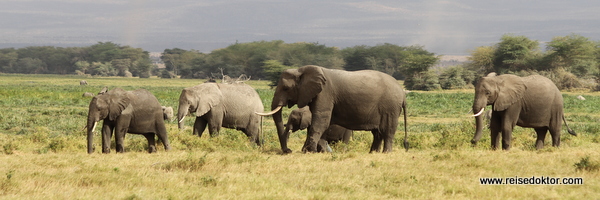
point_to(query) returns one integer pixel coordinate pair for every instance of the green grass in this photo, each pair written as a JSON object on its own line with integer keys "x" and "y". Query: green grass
{"x": 43, "y": 151}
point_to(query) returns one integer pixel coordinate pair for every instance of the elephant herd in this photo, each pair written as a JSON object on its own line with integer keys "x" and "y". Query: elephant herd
{"x": 331, "y": 104}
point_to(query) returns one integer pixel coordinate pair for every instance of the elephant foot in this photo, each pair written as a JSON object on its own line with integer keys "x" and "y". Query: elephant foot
{"x": 286, "y": 151}
{"x": 474, "y": 142}
{"x": 152, "y": 150}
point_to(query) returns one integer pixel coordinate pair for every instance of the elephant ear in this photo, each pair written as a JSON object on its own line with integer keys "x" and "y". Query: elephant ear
{"x": 511, "y": 89}
{"x": 311, "y": 84}
{"x": 209, "y": 95}
{"x": 119, "y": 100}
{"x": 305, "y": 120}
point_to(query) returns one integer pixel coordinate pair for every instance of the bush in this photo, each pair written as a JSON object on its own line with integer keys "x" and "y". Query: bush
{"x": 167, "y": 74}
{"x": 565, "y": 80}
{"x": 456, "y": 77}
{"x": 585, "y": 164}
{"x": 427, "y": 81}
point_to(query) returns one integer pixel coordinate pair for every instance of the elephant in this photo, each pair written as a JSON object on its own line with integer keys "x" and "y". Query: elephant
{"x": 222, "y": 105}
{"x": 83, "y": 82}
{"x": 300, "y": 119}
{"x": 167, "y": 112}
{"x": 137, "y": 112}
{"x": 360, "y": 100}
{"x": 530, "y": 102}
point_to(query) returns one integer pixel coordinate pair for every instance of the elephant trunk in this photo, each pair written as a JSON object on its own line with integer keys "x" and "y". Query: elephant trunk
{"x": 91, "y": 125}
{"x": 478, "y": 130}
{"x": 181, "y": 113}
{"x": 281, "y": 133}
{"x": 478, "y": 110}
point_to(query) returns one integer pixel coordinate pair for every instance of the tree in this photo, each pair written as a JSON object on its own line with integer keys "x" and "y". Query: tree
{"x": 575, "y": 53}
{"x": 30, "y": 66}
{"x": 8, "y": 60}
{"x": 392, "y": 59}
{"x": 514, "y": 53}
{"x": 482, "y": 60}
{"x": 272, "y": 70}
{"x": 82, "y": 66}
{"x": 104, "y": 52}
{"x": 416, "y": 63}
{"x": 121, "y": 65}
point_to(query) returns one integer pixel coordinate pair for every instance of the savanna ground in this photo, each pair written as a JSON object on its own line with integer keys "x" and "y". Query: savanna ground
{"x": 44, "y": 153}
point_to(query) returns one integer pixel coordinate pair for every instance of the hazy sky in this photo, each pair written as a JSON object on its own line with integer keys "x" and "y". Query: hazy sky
{"x": 451, "y": 27}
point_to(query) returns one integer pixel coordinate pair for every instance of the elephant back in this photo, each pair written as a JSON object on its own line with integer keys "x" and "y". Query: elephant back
{"x": 145, "y": 100}
{"x": 241, "y": 96}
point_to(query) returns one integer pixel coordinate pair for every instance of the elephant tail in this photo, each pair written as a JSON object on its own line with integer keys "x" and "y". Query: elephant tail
{"x": 568, "y": 129}
{"x": 405, "y": 126}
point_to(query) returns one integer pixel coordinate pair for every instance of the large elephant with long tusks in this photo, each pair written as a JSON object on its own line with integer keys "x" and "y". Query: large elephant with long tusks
{"x": 222, "y": 105}
{"x": 360, "y": 100}
{"x": 532, "y": 102}
{"x": 137, "y": 112}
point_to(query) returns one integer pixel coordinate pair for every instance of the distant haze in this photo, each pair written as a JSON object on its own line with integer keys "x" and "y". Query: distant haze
{"x": 451, "y": 27}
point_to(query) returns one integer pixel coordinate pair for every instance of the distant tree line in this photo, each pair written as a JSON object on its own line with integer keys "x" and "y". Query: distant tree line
{"x": 102, "y": 59}
{"x": 266, "y": 59}
{"x": 571, "y": 61}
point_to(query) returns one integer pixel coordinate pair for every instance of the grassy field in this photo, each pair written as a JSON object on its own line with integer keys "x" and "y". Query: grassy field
{"x": 43, "y": 151}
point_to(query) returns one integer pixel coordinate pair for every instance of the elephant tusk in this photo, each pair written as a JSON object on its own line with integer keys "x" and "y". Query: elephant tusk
{"x": 94, "y": 127}
{"x": 181, "y": 120}
{"x": 479, "y": 113}
{"x": 269, "y": 113}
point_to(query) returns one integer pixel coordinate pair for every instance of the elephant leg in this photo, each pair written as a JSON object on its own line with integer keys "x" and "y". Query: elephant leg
{"x": 107, "y": 132}
{"x": 252, "y": 136}
{"x": 323, "y": 146}
{"x": 312, "y": 140}
{"x": 213, "y": 129}
{"x": 119, "y": 138}
{"x": 347, "y": 136}
{"x": 541, "y": 136}
{"x": 151, "y": 142}
{"x": 389, "y": 131}
{"x": 319, "y": 124}
{"x": 506, "y": 136}
{"x": 161, "y": 132}
{"x": 377, "y": 139}
{"x": 495, "y": 131}
{"x": 555, "y": 133}
{"x": 199, "y": 126}
{"x": 215, "y": 121}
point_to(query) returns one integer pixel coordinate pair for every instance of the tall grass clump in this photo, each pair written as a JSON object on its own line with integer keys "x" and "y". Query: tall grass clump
{"x": 190, "y": 164}
{"x": 585, "y": 164}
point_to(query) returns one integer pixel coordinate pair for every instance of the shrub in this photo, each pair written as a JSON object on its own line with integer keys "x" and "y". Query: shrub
{"x": 191, "y": 164}
{"x": 563, "y": 79}
{"x": 456, "y": 77}
{"x": 427, "y": 81}
{"x": 586, "y": 165}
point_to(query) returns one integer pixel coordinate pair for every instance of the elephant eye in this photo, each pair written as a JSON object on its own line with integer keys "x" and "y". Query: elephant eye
{"x": 487, "y": 92}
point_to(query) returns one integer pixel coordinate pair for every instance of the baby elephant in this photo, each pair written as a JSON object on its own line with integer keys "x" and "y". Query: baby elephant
{"x": 300, "y": 119}
{"x": 167, "y": 112}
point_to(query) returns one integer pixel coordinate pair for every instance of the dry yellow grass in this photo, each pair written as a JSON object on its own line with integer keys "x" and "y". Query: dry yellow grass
{"x": 428, "y": 174}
